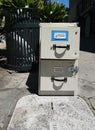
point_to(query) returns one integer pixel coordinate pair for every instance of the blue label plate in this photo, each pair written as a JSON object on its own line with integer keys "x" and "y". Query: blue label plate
{"x": 57, "y": 35}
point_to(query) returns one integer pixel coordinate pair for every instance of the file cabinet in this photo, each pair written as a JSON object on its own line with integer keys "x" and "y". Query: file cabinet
{"x": 58, "y": 61}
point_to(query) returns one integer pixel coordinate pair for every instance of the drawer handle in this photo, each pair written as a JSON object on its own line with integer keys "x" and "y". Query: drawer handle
{"x": 59, "y": 80}
{"x": 67, "y": 47}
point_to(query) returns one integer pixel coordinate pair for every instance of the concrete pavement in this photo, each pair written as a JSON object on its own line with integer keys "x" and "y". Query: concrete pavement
{"x": 35, "y": 112}
{"x": 87, "y": 78}
{"x": 13, "y": 87}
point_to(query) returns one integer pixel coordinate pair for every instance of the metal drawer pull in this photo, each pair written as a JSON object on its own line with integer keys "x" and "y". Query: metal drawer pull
{"x": 67, "y": 47}
{"x": 59, "y": 80}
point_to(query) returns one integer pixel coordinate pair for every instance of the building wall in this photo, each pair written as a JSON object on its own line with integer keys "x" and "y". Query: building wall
{"x": 73, "y": 10}
{"x": 83, "y": 11}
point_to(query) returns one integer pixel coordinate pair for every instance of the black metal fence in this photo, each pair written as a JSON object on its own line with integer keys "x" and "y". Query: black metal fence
{"x": 22, "y": 38}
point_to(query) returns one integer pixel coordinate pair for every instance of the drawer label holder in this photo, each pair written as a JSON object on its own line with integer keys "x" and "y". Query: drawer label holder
{"x": 58, "y": 35}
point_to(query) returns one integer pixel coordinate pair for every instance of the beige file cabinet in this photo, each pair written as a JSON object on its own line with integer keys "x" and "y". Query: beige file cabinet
{"x": 58, "y": 62}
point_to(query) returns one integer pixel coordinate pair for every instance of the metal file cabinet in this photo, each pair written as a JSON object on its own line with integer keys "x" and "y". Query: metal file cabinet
{"x": 58, "y": 62}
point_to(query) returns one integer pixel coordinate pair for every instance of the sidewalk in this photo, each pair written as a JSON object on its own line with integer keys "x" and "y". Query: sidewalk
{"x": 13, "y": 87}
{"x": 87, "y": 78}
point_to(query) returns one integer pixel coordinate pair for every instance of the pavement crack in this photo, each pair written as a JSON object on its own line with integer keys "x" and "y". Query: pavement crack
{"x": 52, "y": 105}
{"x": 8, "y": 89}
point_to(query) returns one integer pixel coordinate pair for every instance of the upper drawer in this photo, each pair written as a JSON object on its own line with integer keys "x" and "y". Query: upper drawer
{"x": 59, "y": 42}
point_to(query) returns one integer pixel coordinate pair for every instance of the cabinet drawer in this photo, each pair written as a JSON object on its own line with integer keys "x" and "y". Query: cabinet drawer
{"x": 59, "y": 42}
{"x": 47, "y": 86}
{"x": 57, "y": 78}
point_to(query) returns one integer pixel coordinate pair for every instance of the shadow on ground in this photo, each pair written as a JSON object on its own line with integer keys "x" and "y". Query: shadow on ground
{"x": 32, "y": 81}
{"x": 3, "y": 62}
{"x": 87, "y": 44}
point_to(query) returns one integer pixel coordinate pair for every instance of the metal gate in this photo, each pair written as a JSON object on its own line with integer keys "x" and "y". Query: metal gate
{"x": 22, "y": 38}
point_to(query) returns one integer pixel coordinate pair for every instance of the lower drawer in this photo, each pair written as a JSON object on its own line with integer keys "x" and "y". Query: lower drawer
{"x": 58, "y": 85}
{"x": 57, "y": 78}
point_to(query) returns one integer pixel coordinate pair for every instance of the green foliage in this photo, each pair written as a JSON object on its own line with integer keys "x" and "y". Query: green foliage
{"x": 17, "y": 3}
{"x": 6, "y": 3}
{"x": 51, "y": 11}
